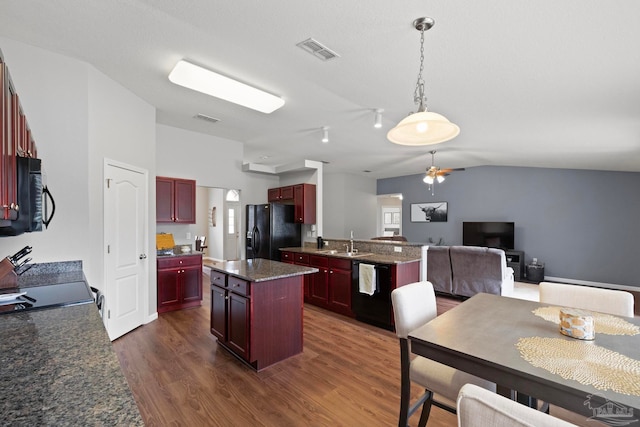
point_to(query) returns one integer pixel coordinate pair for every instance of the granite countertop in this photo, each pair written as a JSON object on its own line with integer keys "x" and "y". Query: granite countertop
{"x": 259, "y": 269}
{"x": 370, "y": 257}
{"x": 176, "y": 252}
{"x": 57, "y": 366}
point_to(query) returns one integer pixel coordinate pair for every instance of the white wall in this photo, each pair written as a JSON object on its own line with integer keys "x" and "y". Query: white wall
{"x": 212, "y": 162}
{"x": 54, "y": 95}
{"x": 78, "y": 116}
{"x": 350, "y": 203}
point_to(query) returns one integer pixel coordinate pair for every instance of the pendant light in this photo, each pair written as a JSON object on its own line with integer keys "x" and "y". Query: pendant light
{"x": 422, "y": 127}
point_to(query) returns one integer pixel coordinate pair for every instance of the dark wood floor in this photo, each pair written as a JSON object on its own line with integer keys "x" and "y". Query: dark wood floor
{"x": 348, "y": 375}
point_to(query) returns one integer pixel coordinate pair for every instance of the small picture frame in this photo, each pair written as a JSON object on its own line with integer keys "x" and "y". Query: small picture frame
{"x": 429, "y": 212}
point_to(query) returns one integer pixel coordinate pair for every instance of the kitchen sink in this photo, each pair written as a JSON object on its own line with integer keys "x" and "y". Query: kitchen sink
{"x": 353, "y": 254}
{"x": 347, "y": 254}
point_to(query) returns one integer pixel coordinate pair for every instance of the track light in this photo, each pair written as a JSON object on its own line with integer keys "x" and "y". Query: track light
{"x": 378, "y": 122}
{"x": 325, "y": 135}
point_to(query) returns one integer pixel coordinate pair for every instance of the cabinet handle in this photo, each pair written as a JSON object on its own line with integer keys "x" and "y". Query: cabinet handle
{"x": 143, "y": 256}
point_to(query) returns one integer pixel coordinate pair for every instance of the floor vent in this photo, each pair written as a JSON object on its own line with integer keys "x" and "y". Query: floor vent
{"x": 317, "y": 49}
{"x": 207, "y": 118}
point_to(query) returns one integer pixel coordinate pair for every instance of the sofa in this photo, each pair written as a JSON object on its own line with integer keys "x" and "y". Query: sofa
{"x": 467, "y": 270}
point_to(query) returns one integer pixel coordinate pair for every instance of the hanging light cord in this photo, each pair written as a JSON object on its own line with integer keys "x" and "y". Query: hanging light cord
{"x": 418, "y": 96}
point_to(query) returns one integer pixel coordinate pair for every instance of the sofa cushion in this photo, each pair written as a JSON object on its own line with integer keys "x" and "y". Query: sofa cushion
{"x": 477, "y": 269}
{"x": 439, "y": 268}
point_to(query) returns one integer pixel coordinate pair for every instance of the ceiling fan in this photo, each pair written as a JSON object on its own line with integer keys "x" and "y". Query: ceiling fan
{"x": 436, "y": 174}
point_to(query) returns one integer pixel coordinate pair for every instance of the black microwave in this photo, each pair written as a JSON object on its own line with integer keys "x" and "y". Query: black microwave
{"x": 32, "y": 199}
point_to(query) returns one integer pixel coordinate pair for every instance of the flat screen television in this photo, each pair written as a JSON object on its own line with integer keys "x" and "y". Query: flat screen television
{"x": 489, "y": 234}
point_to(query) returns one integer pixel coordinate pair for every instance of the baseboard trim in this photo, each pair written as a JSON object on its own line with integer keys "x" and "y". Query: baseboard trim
{"x": 593, "y": 284}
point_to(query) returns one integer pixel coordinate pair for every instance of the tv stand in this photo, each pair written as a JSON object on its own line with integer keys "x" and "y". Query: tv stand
{"x": 515, "y": 260}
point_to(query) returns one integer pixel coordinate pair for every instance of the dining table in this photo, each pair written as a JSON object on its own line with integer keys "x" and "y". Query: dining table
{"x": 518, "y": 345}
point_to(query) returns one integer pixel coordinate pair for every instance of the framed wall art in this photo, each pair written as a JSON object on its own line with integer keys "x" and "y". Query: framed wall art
{"x": 429, "y": 212}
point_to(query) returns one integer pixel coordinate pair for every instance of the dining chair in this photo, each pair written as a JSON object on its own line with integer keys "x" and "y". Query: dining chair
{"x": 413, "y": 306}
{"x": 480, "y": 407}
{"x": 610, "y": 301}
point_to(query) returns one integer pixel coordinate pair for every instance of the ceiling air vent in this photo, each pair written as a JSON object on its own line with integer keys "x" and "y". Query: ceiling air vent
{"x": 317, "y": 49}
{"x": 207, "y": 118}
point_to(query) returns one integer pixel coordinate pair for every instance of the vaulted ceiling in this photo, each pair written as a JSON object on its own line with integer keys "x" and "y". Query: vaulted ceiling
{"x": 530, "y": 83}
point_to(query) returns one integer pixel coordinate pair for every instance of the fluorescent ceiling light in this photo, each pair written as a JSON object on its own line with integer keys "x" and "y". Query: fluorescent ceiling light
{"x": 202, "y": 80}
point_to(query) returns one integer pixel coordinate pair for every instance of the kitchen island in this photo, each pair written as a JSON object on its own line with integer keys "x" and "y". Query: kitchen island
{"x": 256, "y": 309}
{"x": 57, "y": 366}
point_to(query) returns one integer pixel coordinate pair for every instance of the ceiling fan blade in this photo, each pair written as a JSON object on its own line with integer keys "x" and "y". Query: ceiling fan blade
{"x": 447, "y": 170}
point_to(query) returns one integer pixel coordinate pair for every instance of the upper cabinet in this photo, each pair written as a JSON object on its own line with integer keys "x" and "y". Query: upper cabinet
{"x": 280, "y": 194}
{"x": 302, "y": 196}
{"x": 15, "y": 140}
{"x": 175, "y": 200}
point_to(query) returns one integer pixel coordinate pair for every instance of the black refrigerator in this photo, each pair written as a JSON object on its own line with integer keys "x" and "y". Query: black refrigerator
{"x": 269, "y": 228}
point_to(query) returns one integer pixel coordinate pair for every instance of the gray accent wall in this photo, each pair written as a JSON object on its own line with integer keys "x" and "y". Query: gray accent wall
{"x": 583, "y": 224}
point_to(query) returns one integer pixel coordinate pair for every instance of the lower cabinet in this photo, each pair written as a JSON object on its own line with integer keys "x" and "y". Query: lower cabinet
{"x": 340, "y": 286}
{"x": 319, "y": 282}
{"x": 179, "y": 282}
{"x": 258, "y": 322}
{"x": 330, "y": 287}
{"x": 230, "y": 318}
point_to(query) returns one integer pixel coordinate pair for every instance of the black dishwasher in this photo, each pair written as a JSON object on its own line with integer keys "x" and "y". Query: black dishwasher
{"x": 373, "y": 309}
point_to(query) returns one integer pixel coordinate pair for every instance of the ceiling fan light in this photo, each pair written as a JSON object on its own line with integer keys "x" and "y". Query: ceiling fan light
{"x": 412, "y": 130}
{"x": 428, "y": 179}
{"x": 440, "y": 178}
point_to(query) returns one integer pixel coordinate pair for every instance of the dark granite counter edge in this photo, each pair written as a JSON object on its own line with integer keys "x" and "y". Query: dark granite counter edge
{"x": 67, "y": 355}
{"x": 264, "y": 276}
{"x": 378, "y": 258}
{"x": 179, "y": 254}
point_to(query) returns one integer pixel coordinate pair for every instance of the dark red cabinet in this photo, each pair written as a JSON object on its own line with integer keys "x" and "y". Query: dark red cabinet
{"x": 319, "y": 282}
{"x": 330, "y": 287}
{"x": 302, "y": 196}
{"x": 259, "y": 322}
{"x": 179, "y": 282}
{"x": 15, "y": 140}
{"x": 175, "y": 200}
{"x": 339, "y": 298}
{"x": 280, "y": 194}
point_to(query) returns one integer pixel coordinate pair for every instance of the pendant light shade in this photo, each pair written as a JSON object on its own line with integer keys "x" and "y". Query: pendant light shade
{"x": 424, "y": 128}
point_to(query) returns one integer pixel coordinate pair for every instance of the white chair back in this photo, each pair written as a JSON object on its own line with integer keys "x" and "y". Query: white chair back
{"x": 480, "y": 407}
{"x": 610, "y": 301}
{"x": 413, "y": 306}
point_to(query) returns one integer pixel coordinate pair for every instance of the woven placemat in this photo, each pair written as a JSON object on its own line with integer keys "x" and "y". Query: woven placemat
{"x": 584, "y": 362}
{"x": 604, "y": 323}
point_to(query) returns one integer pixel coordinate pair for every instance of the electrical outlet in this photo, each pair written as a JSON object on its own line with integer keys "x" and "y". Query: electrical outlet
{"x": 397, "y": 248}
{"x": 188, "y": 236}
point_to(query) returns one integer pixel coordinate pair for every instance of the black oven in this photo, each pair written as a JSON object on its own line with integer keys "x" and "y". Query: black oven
{"x": 33, "y": 199}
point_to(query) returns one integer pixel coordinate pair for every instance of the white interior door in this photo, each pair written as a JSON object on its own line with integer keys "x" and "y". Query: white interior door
{"x": 125, "y": 235}
{"x": 232, "y": 231}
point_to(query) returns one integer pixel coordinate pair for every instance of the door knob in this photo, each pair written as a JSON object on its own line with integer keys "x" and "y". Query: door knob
{"x": 143, "y": 256}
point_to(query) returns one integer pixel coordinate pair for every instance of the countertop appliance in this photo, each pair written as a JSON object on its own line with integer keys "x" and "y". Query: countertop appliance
{"x": 269, "y": 228}
{"x": 373, "y": 309}
{"x": 43, "y": 297}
